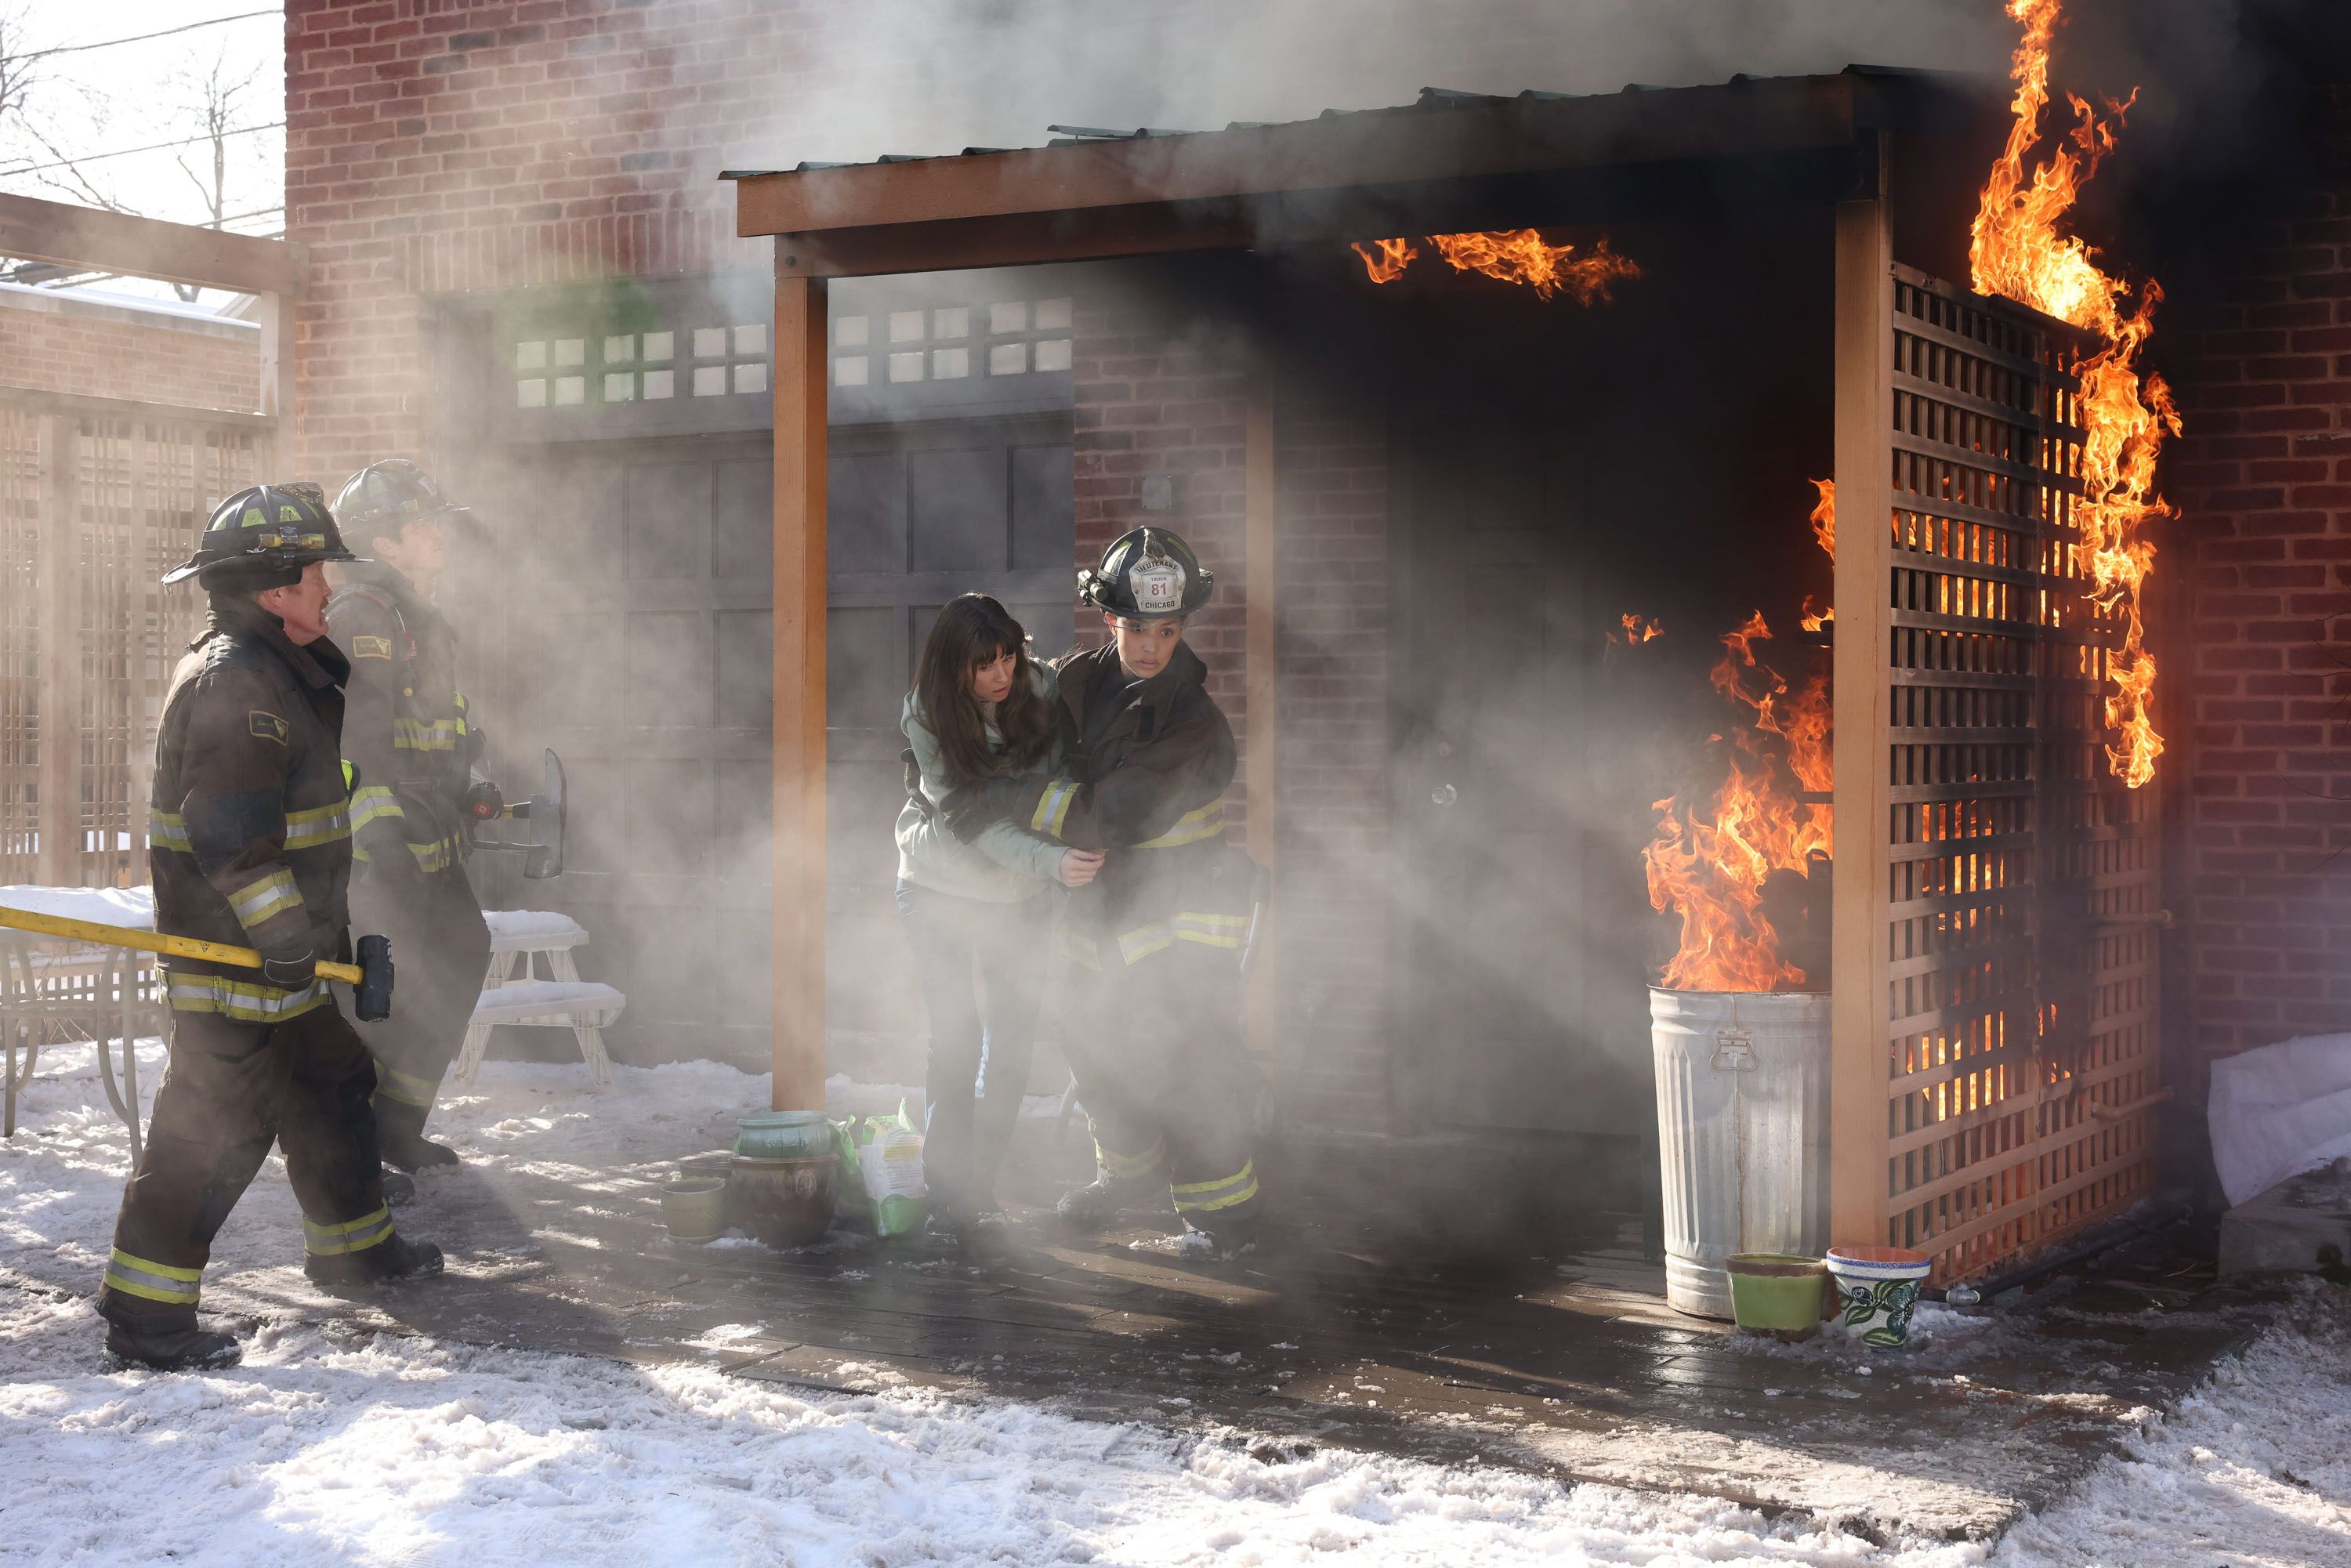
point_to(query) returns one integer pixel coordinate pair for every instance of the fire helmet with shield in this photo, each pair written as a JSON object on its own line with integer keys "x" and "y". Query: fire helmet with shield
{"x": 1147, "y": 574}
{"x": 270, "y": 528}
{"x": 385, "y": 497}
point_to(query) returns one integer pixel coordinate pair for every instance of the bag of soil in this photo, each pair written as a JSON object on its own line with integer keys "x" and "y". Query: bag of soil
{"x": 890, "y": 1165}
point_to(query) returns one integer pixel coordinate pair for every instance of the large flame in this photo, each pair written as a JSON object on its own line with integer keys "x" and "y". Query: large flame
{"x": 1710, "y": 869}
{"x": 2019, "y": 252}
{"x": 1512, "y": 255}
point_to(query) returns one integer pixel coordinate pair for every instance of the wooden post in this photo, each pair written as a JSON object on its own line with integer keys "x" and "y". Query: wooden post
{"x": 1860, "y": 1012}
{"x": 799, "y": 1052}
{"x": 59, "y": 862}
{"x": 277, "y": 374}
{"x": 1260, "y": 1022}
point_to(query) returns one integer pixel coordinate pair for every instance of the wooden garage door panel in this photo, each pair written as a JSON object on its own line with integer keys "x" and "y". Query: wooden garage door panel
{"x": 1043, "y": 503}
{"x": 673, "y": 670}
{"x": 666, "y": 519}
{"x": 865, "y": 513}
{"x": 743, "y": 536}
{"x": 957, "y": 517}
{"x": 746, "y": 669}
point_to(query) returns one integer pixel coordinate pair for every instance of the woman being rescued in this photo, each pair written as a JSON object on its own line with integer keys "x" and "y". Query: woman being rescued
{"x": 976, "y": 914}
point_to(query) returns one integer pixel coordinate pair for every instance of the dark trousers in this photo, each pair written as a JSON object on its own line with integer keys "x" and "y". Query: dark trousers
{"x": 982, "y": 968}
{"x": 1156, "y": 1051}
{"x": 229, "y": 1091}
{"x": 440, "y": 954}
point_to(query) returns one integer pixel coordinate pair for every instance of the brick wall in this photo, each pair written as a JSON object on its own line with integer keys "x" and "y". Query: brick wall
{"x": 434, "y": 146}
{"x": 2261, "y": 354}
{"x": 59, "y": 343}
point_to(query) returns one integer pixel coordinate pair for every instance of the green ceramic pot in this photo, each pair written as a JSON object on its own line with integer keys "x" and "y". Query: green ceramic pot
{"x": 695, "y": 1208}
{"x": 784, "y": 1136}
{"x": 1776, "y": 1292}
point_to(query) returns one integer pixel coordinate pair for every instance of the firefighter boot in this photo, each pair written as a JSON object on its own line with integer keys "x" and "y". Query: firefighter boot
{"x": 1102, "y": 1200}
{"x": 1221, "y": 1244}
{"x": 168, "y": 1342}
{"x": 388, "y": 1262}
{"x": 400, "y": 1136}
{"x": 399, "y": 1191}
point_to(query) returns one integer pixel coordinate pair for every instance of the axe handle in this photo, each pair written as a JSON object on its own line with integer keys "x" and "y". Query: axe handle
{"x": 153, "y": 942}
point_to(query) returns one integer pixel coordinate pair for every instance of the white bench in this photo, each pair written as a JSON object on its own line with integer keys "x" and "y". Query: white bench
{"x": 513, "y": 993}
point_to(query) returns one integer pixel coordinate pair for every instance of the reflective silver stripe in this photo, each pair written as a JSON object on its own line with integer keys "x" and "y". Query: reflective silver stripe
{"x": 323, "y": 825}
{"x": 152, "y": 1281}
{"x": 439, "y": 855}
{"x": 241, "y": 999}
{"x": 1054, "y": 807}
{"x": 374, "y": 801}
{"x": 1190, "y": 829}
{"x": 1210, "y": 930}
{"x": 1144, "y": 940}
{"x": 405, "y": 1087}
{"x": 166, "y": 831}
{"x": 257, "y": 900}
{"x": 1202, "y": 1196}
{"x": 348, "y": 1236}
{"x": 417, "y": 735}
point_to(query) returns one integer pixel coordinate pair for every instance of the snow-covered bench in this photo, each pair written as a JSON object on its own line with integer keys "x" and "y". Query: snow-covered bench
{"x": 514, "y": 994}
{"x": 55, "y": 988}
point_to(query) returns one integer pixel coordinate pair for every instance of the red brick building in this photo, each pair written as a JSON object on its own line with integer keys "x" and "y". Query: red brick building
{"x": 88, "y": 341}
{"x": 523, "y": 272}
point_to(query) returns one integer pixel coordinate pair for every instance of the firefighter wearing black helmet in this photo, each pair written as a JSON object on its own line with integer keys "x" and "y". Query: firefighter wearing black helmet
{"x": 1155, "y": 940}
{"x": 412, "y": 736}
{"x": 249, "y": 844}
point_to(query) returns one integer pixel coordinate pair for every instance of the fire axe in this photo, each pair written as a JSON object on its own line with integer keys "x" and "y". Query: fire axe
{"x": 543, "y": 851}
{"x": 370, "y": 978}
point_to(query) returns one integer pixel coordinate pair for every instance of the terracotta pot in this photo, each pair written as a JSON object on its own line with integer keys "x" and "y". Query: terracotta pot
{"x": 783, "y": 1203}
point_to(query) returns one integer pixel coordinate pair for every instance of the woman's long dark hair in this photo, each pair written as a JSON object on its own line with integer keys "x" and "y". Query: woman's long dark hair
{"x": 971, "y": 631}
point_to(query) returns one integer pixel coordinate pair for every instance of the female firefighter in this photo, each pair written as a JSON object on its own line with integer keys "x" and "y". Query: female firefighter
{"x": 974, "y": 913}
{"x": 1155, "y": 942}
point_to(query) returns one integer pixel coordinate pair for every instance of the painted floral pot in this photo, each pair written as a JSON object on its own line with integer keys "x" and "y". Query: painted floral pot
{"x": 784, "y": 1203}
{"x": 1877, "y": 1289}
{"x": 783, "y": 1136}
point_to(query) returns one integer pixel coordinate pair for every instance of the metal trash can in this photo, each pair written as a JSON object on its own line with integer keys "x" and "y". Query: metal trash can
{"x": 1742, "y": 1133}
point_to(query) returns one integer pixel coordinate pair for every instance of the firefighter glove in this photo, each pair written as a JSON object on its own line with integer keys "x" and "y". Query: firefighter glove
{"x": 974, "y": 807}
{"x": 293, "y": 964}
{"x": 914, "y": 796}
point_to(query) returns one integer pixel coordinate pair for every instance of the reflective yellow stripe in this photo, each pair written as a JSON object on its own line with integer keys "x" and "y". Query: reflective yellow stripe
{"x": 419, "y": 735}
{"x": 373, "y": 801}
{"x": 1116, "y": 1164}
{"x": 405, "y": 1087}
{"x": 1081, "y": 950}
{"x": 151, "y": 1281}
{"x": 350, "y": 1236}
{"x": 439, "y": 855}
{"x": 272, "y": 894}
{"x": 1144, "y": 940}
{"x": 1191, "y": 828}
{"x": 166, "y": 831}
{"x": 1053, "y": 807}
{"x": 1210, "y": 930}
{"x": 1205, "y": 1196}
{"x": 244, "y": 1000}
{"x": 320, "y": 825}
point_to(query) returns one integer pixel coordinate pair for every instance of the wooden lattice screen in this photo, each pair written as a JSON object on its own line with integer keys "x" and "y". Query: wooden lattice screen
{"x": 2022, "y": 897}
{"x": 98, "y": 499}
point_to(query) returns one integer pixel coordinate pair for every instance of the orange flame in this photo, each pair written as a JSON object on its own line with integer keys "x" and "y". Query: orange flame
{"x": 1637, "y": 631}
{"x": 1823, "y": 521}
{"x": 1512, "y": 255}
{"x": 1386, "y": 264}
{"x": 1710, "y": 870}
{"x": 2017, "y": 252}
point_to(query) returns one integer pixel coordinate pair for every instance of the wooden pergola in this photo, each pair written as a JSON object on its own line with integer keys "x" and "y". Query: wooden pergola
{"x": 1896, "y": 155}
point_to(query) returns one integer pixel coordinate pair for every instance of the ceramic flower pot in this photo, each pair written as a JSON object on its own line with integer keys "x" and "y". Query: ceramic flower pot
{"x": 695, "y": 1208}
{"x": 1777, "y": 1292}
{"x": 783, "y": 1136}
{"x": 1877, "y": 1288}
{"x": 784, "y": 1203}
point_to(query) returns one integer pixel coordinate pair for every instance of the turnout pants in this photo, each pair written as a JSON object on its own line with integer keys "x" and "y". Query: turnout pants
{"x": 1159, "y": 1068}
{"x": 229, "y": 1091}
{"x": 440, "y": 956}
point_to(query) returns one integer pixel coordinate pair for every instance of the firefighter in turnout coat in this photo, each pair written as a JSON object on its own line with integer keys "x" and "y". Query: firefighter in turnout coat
{"x": 249, "y": 844}
{"x": 409, "y": 731}
{"x": 1155, "y": 940}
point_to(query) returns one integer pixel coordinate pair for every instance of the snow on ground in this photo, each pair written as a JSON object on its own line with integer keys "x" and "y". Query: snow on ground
{"x": 335, "y": 1445}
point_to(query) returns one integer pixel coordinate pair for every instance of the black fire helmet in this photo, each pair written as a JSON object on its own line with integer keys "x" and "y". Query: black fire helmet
{"x": 384, "y": 498}
{"x": 1147, "y": 574}
{"x": 276, "y": 528}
